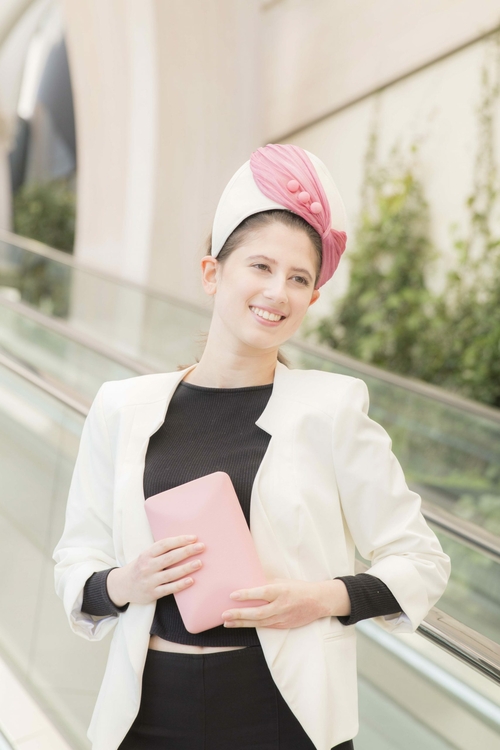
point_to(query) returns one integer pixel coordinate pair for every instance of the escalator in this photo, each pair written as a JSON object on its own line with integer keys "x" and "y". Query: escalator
{"x": 436, "y": 688}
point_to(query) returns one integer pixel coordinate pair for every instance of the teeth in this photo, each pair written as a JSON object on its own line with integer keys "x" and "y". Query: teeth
{"x": 265, "y": 314}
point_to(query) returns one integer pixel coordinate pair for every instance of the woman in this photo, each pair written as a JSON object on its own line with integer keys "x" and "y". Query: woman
{"x": 315, "y": 477}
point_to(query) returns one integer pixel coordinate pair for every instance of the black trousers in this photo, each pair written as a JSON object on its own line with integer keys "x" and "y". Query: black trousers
{"x": 224, "y": 700}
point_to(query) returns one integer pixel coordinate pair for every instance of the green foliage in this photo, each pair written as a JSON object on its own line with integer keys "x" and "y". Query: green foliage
{"x": 382, "y": 315}
{"x": 389, "y": 317}
{"x": 46, "y": 212}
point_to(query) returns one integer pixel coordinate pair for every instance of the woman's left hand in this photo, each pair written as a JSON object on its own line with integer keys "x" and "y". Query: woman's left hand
{"x": 292, "y": 603}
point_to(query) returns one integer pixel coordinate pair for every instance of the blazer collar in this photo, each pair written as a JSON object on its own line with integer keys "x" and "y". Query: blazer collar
{"x": 268, "y": 419}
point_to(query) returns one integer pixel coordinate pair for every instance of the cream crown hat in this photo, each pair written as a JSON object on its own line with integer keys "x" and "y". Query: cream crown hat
{"x": 287, "y": 177}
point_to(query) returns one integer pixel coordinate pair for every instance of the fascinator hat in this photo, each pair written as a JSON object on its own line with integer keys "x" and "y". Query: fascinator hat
{"x": 287, "y": 177}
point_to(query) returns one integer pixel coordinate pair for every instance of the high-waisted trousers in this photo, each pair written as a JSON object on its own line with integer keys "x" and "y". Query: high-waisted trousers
{"x": 223, "y": 700}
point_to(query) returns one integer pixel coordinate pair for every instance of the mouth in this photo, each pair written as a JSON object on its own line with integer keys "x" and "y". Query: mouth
{"x": 272, "y": 320}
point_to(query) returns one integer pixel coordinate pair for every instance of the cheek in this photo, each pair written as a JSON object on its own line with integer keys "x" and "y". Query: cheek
{"x": 300, "y": 307}
{"x": 236, "y": 297}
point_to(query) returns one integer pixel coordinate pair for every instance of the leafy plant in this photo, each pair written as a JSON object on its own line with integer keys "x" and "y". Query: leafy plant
{"x": 381, "y": 317}
{"x": 46, "y": 212}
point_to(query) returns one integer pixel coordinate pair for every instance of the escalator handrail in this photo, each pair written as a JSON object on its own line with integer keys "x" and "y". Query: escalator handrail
{"x": 63, "y": 328}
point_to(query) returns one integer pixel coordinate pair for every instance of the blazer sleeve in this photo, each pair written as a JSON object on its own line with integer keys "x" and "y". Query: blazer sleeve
{"x": 383, "y": 515}
{"x": 86, "y": 545}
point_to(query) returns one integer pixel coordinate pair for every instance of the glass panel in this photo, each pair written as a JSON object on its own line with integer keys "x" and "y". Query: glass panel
{"x": 148, "y": 326}
{"x": 415, "y": 695}
{"x": 473, "y": 592}
{"x": 75, "y": 368}
{"x": 39, "y": 438}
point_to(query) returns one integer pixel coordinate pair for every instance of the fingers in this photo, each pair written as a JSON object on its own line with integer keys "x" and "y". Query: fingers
{"x": 271, "y": 622}
{"x": 170, "y": 555}
{"x": 172, "y": 586}
{"x": 177, "y": 571}
{"x": 170, "y": 543}
{"x": 268, "y": 593}
{"x": 177, "y": 577}
{"x": 249, "y": 613}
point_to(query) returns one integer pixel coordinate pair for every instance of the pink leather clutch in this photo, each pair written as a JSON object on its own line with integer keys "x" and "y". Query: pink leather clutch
{"x": 209, "y": 507}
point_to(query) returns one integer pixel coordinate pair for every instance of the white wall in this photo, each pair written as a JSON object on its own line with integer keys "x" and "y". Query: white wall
{"x": 322, "y": 54}
{"x": 165, "y": 99}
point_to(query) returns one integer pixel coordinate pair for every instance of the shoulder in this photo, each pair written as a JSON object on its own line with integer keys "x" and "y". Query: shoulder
{"x": 327, "y": 391}
{"x": 140, "y": 389}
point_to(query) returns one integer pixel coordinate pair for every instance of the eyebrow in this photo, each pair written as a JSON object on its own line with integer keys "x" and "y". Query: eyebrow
{"x": 273, "y": 262}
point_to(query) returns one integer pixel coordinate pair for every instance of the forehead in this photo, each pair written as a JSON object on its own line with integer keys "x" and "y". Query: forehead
{"x": 279, "y": 240}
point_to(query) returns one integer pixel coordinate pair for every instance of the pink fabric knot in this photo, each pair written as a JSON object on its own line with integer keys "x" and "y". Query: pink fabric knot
{"x": 274, "y": 168}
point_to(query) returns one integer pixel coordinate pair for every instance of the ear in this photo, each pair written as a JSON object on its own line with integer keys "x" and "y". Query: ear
{"x": 315, "y": 296}
{"x": 209, "y": 266}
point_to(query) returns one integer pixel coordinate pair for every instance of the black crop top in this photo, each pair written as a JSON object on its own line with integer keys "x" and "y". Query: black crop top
{"x": 213, "y": 429}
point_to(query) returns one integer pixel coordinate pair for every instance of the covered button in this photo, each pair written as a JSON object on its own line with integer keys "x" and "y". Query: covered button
{"x": 293, "y": 186}
{"x": 316, "y": 208}
{"x": 303, "y": 197}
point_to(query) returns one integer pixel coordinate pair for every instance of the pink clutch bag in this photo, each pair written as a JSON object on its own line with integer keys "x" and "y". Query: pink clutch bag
{"x": 209, "y": 507}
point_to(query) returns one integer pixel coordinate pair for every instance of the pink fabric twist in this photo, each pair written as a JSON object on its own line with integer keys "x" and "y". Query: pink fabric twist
{"x": 285, "y": 174}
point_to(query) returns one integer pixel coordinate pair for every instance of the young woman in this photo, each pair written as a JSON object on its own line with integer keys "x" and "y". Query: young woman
{"x": 315, "y": 477}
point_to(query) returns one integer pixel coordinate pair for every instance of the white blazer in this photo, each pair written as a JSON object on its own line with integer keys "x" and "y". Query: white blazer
{"x": 328, "y": 482}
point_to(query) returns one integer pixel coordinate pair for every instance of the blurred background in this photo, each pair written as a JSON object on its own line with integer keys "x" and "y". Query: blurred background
{"x": 121, "y": 121}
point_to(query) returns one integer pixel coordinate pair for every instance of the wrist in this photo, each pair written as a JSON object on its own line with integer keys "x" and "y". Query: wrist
{"x": 334, "y": 598}
{"x": 116, "y": 587}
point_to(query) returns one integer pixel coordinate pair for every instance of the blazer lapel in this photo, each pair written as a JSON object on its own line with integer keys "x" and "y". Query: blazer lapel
{"x": 147, "y": 417}
{"x": 267, "y": 503}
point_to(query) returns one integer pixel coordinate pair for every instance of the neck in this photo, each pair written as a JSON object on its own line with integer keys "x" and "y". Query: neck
{"x": 232, "y": 372}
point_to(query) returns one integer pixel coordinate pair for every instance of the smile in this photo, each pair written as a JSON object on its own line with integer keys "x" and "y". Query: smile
{"x": 264, "y": 315}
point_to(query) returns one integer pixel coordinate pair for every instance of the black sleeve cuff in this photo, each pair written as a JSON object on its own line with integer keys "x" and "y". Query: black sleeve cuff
{"x": 96, "y": 599}
{"x": 369, "y": 596}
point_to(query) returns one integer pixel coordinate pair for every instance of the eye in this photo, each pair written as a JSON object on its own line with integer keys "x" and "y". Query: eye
{"x": 303, "y": 281}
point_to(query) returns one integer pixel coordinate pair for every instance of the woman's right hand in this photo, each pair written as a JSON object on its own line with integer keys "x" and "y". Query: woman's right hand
{"x": 154, "y": 572}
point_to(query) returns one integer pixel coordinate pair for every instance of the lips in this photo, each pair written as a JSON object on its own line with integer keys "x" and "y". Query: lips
{"x": 268, "y": 311}
{"x": 265, "y": 321}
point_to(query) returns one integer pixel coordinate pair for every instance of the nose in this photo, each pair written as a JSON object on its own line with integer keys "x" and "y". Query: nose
{"x": 276, "y": 289}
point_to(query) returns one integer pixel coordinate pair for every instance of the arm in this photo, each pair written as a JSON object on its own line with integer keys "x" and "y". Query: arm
{"x": 86, "y": 545}
{"x": 383, "y": 515}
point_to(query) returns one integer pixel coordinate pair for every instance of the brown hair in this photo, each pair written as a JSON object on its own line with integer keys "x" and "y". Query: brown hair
{"x": 251, "y": 225}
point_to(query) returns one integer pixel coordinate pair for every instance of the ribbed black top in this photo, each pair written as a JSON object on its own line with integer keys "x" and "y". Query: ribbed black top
{"x": 206, "y": 430}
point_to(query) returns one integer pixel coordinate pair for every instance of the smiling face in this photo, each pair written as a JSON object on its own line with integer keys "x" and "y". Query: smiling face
{"x": 271, "y": 272}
